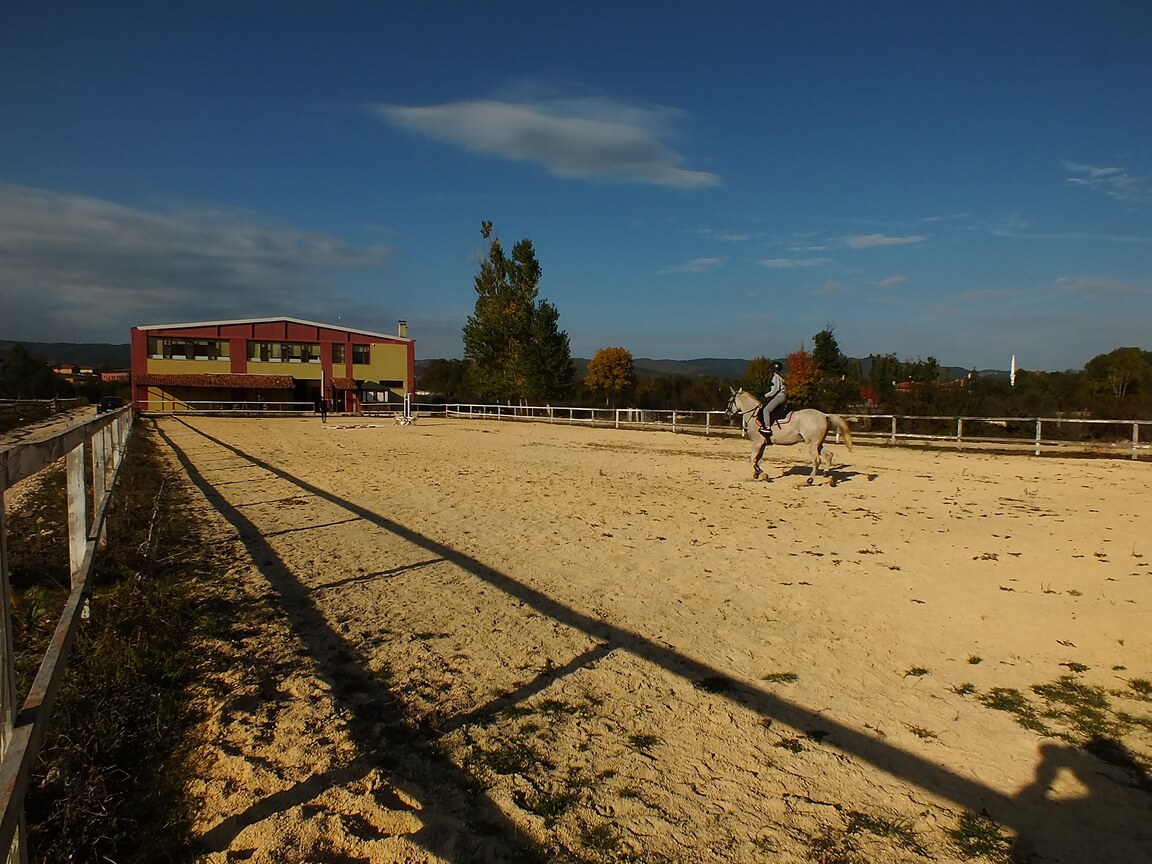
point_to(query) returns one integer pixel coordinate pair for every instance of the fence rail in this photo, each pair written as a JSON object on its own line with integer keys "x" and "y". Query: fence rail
{"x": 248, "y": 408}
{"x": 94, "y": 451}
{"x": 1038, "y": 435}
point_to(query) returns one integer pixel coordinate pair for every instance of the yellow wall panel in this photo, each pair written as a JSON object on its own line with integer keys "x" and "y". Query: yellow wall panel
{"x": 188, "y": 367}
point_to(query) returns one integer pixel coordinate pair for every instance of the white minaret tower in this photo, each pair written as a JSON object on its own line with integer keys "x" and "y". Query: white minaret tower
{"x": 1012, "y": 374}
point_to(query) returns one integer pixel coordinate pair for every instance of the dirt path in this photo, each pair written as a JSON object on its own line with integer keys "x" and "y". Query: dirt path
{"x": 468, "y": 640}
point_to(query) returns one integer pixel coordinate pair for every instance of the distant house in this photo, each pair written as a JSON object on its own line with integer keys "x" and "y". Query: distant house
{"x": 265, "y": 361}
{"x": 74, "y": 373}
{"x": 116, "y": 376}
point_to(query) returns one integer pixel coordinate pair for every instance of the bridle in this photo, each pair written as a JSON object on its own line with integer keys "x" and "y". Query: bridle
{"x": 734, "y": 409}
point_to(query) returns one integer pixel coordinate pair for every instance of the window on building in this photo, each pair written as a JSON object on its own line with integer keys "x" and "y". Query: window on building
{"x": 265, "y": 352}
{"x": 337, "y": 352}
{"x": 187, "y": 349}
{"x": 361, "y": 354}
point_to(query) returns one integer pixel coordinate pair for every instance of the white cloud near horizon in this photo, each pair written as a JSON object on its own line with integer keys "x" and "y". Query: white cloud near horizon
{"x": 591, "y": 138}
{"x": 791, "y": 263}
{"x": 1112, "y": 181}
{"x": 891, "y": 282}
{"x": 75, "y": 268}
{"x": 867, "y": 241}
{"x": 696, "y": 265}
{"x": 1100, "y": 287}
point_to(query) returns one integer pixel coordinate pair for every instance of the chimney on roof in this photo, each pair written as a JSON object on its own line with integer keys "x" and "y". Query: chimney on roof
{"x": 403, "y": 329}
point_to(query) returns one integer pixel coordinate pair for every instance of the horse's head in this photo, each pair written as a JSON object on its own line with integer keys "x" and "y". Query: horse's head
{"x": 734, "y": 408}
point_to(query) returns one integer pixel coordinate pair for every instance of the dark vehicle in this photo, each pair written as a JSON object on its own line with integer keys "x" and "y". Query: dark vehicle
{"x": 109, "y": 403}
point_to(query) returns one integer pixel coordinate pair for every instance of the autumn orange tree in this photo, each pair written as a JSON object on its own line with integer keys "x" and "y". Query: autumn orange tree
{"x": 801, "y": 376}
{"x": 610, "y": 372}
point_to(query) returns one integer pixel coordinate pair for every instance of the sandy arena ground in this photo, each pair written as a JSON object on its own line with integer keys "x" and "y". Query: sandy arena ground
{"x": 471, "y": 641}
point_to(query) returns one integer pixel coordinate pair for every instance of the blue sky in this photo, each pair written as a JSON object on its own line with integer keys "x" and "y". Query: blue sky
{"x": 962, "y": 180}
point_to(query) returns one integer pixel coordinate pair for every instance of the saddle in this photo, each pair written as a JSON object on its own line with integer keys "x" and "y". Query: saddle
{"x": 778, "y": 416}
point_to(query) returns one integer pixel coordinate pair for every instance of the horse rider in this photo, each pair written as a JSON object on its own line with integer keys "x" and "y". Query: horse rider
{"x": 773, "y": 399}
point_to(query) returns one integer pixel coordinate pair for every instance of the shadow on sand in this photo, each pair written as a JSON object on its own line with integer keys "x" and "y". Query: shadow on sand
{"x": 1031, "y": 814}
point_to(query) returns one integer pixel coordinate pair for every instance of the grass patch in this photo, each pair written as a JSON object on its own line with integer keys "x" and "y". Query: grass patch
{"x": 514, "y": 756}
{"x": 900, "y": 830}
{"x": 1014, "y": 702}
{"x": 549, "y": 806}
{"x": 716, "y": 684}
{"x": 965, "y": 689}
{"x": 922, "y": 733}
{"x": 978, "y": 836}
{"x": 781, "y": 678}
{"x": 1082, "y": 715}
{"x": 644, "y": 743}
{"x": 1142, "y": 687}
{"x": 109, "y": 781}
{"x": 915, "y": 672}
{"x": 1082, "y": 707}
{"x": 975, "y": 659}
{"x": 600, "y": 838}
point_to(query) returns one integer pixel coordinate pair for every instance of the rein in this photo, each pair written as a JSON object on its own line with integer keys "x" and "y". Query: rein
{"x": 734, "y": 409}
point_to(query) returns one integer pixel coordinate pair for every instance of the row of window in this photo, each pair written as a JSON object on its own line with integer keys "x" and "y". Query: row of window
{"x": 264, "y": 352}
{"x": 187, "y": 349}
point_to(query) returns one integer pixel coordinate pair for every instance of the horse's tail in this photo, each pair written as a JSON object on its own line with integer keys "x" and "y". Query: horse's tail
{"x": 839, "y": 424}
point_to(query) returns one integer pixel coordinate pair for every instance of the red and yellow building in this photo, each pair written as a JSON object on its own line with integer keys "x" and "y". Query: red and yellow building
{"x": 269, "y": 361}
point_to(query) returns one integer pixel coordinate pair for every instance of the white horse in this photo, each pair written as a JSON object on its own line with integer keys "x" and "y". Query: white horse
{"x": 805, "y": 424}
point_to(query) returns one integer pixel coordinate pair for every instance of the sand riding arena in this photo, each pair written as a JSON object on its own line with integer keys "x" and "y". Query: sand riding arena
{"x": 476, "y": 641}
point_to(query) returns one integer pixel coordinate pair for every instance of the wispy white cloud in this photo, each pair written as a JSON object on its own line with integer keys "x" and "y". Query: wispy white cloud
{"x": 831, "y": 288}
{"x": 891, "y": 281}
{"x": 696, "y": 265}
{"x": 726, "y": 236}
{"x": 591, "y": 138}
{"x": 1112, "y": 181}
{"x": 1100, "y": 287}
{"x": 790, "y": 263}
{"x": 84, "y": 266}
{"x": 866, "y": 241}
{"x": 1018, "y": 228}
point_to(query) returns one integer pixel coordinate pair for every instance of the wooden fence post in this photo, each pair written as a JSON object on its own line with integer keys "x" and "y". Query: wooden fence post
{"x": 77, "y": 507}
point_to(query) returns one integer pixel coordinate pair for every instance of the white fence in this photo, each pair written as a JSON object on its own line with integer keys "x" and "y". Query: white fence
{"x": 251, "y": 408}
{"x": 94, "y": 451}
{"x": 35, "y": 409}
{"x": 1065, "y": 435}
{"x": 1037, "y": 435}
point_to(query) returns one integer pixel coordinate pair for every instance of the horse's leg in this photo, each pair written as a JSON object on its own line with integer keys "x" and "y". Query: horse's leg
{"x": 814, "y": 450}
{"x": 757, "y": 453}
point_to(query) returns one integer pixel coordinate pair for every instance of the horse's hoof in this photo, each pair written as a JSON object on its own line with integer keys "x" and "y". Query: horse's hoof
{"x": 832, "y": 482}
{"x": 809, "y": 481}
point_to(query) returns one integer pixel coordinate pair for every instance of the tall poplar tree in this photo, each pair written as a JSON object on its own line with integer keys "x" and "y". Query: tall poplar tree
{"x": 512, "y": 341}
